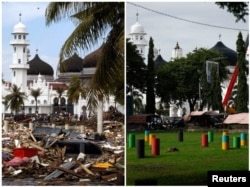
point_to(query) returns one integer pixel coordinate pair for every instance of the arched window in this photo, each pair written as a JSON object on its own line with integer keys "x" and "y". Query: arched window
{"x": 63, "y": 101}
{"x": 69, "y": 102}
{"x": 44, "y": 101}
{"x": 55, "y": 101}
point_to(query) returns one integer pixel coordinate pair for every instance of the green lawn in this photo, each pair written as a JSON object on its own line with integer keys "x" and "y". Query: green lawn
{"x": 189, "y": 165}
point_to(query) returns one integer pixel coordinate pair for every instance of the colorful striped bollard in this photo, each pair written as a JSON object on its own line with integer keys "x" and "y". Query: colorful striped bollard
{"x": 151, "y": 136}
{"x": 243, "y": 139}
{"x": 224, "y": 133}
{"x": 225, "y": 142}
{"x": 146, "y": 135}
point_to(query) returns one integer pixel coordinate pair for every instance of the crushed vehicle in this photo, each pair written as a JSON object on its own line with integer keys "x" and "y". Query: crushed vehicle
{"x": 174, "y": 122}
{"x": 144, "y": 121}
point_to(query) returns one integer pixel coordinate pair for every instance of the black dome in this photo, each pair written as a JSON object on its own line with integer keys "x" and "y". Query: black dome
{"x": 91, "y": 59}
{"x": 72, "y": 64}
{"x": 37, "y": 66}
{"x": 158, "y": 62}
{"x": 231, "y": 55}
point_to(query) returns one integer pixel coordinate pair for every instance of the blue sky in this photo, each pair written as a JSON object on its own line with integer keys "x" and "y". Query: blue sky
{"x": 166, "y": 31}
{"x": 46, "y": 39}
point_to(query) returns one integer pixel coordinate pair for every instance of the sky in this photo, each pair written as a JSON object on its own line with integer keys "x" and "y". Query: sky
{"x": 164, "y": 22}
{"x": 46, "y": 41}
{"x": 165, "y": 30}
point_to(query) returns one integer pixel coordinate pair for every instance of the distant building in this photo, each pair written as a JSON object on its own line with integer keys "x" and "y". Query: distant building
{"x": 176, "y": 52}
{"x": 137, "y": 37}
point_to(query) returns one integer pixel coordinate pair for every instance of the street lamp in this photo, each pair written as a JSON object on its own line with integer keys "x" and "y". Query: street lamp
{"x": 199, "y": 87}
{"x": 199, "y": 105}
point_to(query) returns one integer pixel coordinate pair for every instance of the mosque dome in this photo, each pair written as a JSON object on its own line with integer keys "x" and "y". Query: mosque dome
{"x": 37, "y": 66}
{"x": 137, "y": 28}
{"x": 72, "y": 64}
{"x": 229, "y": 54}
{"x": 19, "y": 28}
{"x": 159, "y": 61}
{"x": 91, "y": 59}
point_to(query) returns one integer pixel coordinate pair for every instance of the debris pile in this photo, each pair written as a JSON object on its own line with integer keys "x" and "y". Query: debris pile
{"x": 55, "y": 155}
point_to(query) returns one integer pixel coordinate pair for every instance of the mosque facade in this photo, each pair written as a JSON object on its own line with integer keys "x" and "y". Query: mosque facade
{"x": 175, "y": 110}
{"x": 36, "y": 74}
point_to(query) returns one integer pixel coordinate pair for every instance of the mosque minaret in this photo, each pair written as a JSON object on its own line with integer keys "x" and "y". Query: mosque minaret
{"x": 19, "y": 64}
{"x": 137, "y": 37}
{"x": 35, "y": 74}
{"x": 176, "y": 52}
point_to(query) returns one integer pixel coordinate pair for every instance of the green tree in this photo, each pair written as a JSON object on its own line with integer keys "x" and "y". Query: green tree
{"x": 36, "y": 93}
{"x": 215, "y": 88}
{"x": 242, "y": 97}
{"x": 179, "y": 81}
{"x": 238, "y": 9}
{"x": 135, "y": 69}
{"x": 94, "y": 20}
{"x": 150, "y": 95}
{"x": 76, "y": 89}
{"x": 137, "y": 102}
{"x": 15, "y": 100}
{"x": 135, "y": 79}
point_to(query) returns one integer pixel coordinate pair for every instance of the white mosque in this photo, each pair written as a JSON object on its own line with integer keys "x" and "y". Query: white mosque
{"x": 137, "y": 37}
{"x": 35, "y": 73}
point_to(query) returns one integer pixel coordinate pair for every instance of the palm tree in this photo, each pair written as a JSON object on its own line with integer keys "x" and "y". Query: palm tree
{"x": 15, "y": 100}
{"x": 137, "y": 100}
{"x": 60, "y": 91}
{"x": 76, "y": 89}
{"x": 93, "y": 21}
{"x": 36, "y": 93}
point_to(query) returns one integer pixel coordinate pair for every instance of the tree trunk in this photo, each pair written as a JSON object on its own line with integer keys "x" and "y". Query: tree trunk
{"x": 100, "y": 116}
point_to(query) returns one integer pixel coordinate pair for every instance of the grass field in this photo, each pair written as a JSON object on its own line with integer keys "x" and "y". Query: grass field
{"x": 189, "y": 165}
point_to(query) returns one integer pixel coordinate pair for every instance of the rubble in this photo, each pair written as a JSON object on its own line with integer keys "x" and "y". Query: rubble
{"x": 51, "y": 154}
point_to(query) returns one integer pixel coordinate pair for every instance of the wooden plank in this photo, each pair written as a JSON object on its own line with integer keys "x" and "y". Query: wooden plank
{"x": 67, "y": 171}
{"x": 85, "y": 168}
{"x": 58, "y": 172}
